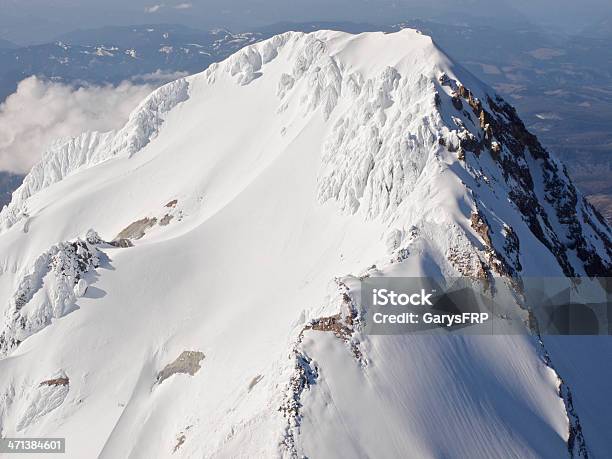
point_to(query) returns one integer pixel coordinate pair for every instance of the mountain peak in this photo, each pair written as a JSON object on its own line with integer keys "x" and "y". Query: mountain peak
{"x": 397, "y": 110}
{"x": 234, "y": 216}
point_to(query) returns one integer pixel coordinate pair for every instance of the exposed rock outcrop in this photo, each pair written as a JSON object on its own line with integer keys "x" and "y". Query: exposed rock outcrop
{"x": 186, "y": 363}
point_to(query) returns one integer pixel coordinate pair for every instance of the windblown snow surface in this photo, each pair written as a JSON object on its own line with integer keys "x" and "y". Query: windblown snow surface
{"x": 188, "y": 286}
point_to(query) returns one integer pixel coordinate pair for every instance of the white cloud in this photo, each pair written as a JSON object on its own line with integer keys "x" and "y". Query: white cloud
{"x": 158, "y": 77}
{"x": 154, "y": 8}
{"x": 41, "y": 111}
{"x": 159, "y": 6}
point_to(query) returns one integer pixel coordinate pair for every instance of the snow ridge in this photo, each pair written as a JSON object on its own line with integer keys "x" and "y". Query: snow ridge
{"x": 50, "y": 289}
{"x": 311, "y": 61}
{"x": 43, "y": 399}
{"x": 379, "y": 147}
{"x": 92, "y": 148}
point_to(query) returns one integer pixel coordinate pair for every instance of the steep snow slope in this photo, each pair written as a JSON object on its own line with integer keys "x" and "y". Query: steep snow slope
{"x": 238, "y": 207}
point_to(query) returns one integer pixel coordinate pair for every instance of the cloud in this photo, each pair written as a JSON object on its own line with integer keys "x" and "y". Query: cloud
{"x": 158, "y": 77}
{"x": 154, "y": 8}
{"x": 42, "y": 111}
{"x": 159, "y": 6}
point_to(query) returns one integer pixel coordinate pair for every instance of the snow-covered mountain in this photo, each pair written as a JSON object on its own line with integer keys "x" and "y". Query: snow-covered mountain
{"x": 189, "y": 285}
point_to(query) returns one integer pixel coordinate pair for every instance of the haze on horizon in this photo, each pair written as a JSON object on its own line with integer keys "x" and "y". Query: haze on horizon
{"x": 32, "y": 21}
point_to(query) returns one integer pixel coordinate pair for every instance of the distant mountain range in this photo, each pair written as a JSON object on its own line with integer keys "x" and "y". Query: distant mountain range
{"x": 114, "y": 54}
{"x": 8, "y": 183}
{"x": 602, "y": 28}
{"x": 5, "y": 44}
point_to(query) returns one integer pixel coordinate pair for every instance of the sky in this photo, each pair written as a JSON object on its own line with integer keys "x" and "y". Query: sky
{"x": 30, "y": 21}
